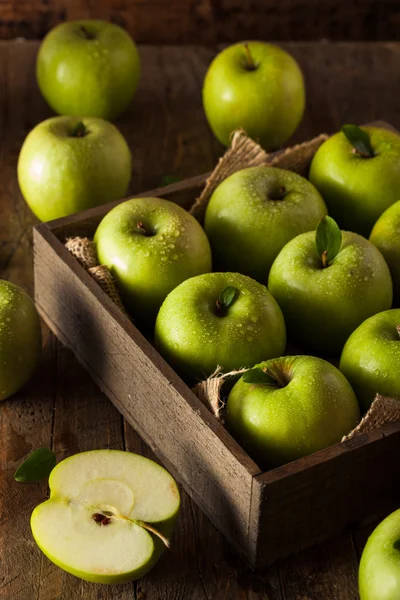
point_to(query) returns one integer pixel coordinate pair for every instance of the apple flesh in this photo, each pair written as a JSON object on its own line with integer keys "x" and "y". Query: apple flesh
{"x": 151, "y": 245}
{"x": 385, "y": 235}
{"x": 379, "y": 572}
{"x": 255, "y": 86}
{"x": 88, "y": 68}
{"x": 195, "y": 336}
{"x": 358, "y": 189}
{"x": 107, "y": 513}
{"x": 67, "y": 165}
{"x": 20, "y": 338}
{"x": 308, "y": 405}
{"x": 322, "y": 306}
{"x": 371, "y": 357}
{"x": 254, "y": 213}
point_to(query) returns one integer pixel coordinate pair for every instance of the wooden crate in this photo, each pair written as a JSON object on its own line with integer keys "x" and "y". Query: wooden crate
{"x": 265, "y": 516}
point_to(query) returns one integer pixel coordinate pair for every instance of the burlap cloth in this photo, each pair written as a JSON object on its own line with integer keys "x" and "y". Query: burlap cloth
{"x": 242, "y": 153}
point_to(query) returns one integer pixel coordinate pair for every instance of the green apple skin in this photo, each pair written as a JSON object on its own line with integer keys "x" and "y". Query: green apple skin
{"x": 358, "y": 190}
{"x": 147, "y": 268}
{"x": 88, "y": 68}
{"x": 385, "y": 235}
{"x": 194, "y": 339}
{"x": 379, "y": 571}
{"x": 20, "y": 338}
{"x": 371, "y": 357}
{"x": 323, "y": 306}
{"x": 247, "y": 228}
{"x": 57, "y": 497}
{"x": 60, "y": 174}
{"x": 267, "y": 102}
{"x": 277, "y": 425}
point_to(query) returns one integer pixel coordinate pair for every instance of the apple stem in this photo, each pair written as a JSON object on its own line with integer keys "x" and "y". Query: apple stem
{"x": 279, "y": 194}
{"x": 79, "y": 130}
{"x": 86, "y": 33}
{"x": 155, "y": 531}
{"x": 141, "y": 228}
{"x": 250, "y": 65}
{"x": 277, "y": 375}
{"x": 398, "y": 329}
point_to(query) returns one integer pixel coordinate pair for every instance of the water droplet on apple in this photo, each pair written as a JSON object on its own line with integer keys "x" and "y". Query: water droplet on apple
{"x": 385, "y": 375}
{"x": 377, "y": 372}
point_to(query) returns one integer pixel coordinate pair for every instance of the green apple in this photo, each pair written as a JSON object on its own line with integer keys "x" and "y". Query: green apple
{"x": 219, "y": 319}
{"x": 379, "y": 572}
{"x": 327, "y": 283}
{"x": 20, "y": 338}
{"x": 88, "y": 68}
{"x": 358, "y": 179}
{"x": 109, "y": 516}
{"x": 371, "y": 357}
{"x": 254, "y": 213}
{"x": 68, "y": 165}
{"x": 151, "y": 245}
{"x": 288, "y": 407}
{"x": 385, "y": 236}
{"x": 255, "y": 86}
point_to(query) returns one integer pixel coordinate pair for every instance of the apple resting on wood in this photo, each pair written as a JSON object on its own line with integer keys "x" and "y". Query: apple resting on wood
{"x": 255, "y": 86}
{"x": 109, "y": 517}
{"x": 371, "y": 357}
{"x": 289, "y": 407}
{"x": 254, "y": 213}
{"x": 20, "y": 338}
{"x": 327, "y": 283}
{"x": 379, "y": 572}
{"x": 357, "y": 172}
{"x": 219, "y": 319}
{"x": 67, "y": 165}
{"x": 88, "y": 68}
{"x": 151, "y": 245}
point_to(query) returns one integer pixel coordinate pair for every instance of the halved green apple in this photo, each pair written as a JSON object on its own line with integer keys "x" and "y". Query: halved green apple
{"x": 109, "y": 517}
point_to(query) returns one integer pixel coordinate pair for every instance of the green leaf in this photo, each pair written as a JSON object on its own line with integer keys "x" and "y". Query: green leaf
{"x": 227, "y": 296}
{"x": 37, "y": 466}
{"x": 359, "y": 139}
{"x": 259, "y": 375}
{"x": 168, "y": 179}
{"x": 328, "y": 239}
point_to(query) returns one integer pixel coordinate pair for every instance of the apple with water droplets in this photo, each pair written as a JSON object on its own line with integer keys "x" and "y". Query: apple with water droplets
{"x": 222, "y": 320}
{"x": 20, "y": 338}
{"x": 255, "y": 86}
{"x": 385, "y": 235}
{"x": 88, "y": 68}
{"x": 109, "y": 517}
{"x": 379, "y": 571}
{"x": 371, "y": 357}
{"x": 253, "y": 213}
{"x": 327, "y": 283}
{"x": 289, "y": 407}
{"x": 151, "y": 245}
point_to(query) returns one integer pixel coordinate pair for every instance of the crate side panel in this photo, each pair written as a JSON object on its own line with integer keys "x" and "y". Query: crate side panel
{"x": 151, "y": 403}
{"x": 344, "y": 486}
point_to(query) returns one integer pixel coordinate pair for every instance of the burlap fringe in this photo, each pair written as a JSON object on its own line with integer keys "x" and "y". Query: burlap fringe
{"x": 209, "y": 390}
{"x": 382, "y": 411}
{"x": 244, "y": 153}
{"x": 84, "y": 250}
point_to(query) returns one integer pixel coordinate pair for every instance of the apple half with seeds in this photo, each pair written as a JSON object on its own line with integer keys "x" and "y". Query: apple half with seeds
{"x": 109, "y": 516}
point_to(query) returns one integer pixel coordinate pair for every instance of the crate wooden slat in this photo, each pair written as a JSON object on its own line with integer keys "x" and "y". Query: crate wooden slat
{"x": 265, "y": 516}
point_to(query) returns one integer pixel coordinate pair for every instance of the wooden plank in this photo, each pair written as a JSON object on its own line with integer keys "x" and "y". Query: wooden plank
{"x": 208, "y": 21}
{"x": 333, "y": 489}
{"x": 179, "y": 429}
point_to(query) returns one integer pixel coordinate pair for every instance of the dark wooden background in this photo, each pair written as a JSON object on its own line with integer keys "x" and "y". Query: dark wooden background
{"x": 210, "y": 21}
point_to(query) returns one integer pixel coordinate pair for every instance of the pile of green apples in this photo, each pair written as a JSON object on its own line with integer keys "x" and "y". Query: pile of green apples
{"x": 268, "y": 265}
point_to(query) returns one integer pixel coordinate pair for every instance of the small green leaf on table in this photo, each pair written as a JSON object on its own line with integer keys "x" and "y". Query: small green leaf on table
{"x": 36, "y": 467}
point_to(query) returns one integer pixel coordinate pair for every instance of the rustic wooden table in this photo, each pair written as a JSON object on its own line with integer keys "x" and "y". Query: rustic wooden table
{"x": 62, "y": 409}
